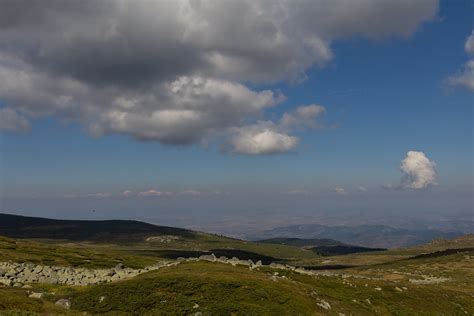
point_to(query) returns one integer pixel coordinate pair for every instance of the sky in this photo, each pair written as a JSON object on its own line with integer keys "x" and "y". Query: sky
{"x": 234, "y": 116}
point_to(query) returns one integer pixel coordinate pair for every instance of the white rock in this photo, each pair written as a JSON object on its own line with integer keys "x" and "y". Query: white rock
{"x": 36, "y": 295}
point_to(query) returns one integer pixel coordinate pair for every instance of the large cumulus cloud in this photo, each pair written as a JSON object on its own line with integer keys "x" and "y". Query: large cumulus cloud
{"x": 177, "y": 72}
{"x": 419, "y": 171}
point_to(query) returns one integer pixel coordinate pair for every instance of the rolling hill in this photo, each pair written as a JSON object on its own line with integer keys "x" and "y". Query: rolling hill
{"x": 17, "y": 226}
{"x": 436, "y": 284}
{"x": 324, "y": 247}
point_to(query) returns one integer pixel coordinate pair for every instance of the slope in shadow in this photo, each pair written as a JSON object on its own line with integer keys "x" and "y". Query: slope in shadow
{"x": 16, "y": 226}
{"x": 229, "y": 253}
{"x": 442, "y": 253}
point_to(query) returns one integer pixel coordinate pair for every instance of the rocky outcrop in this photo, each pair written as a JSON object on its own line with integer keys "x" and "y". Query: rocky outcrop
{"x": 20, "y": 274}
{"x": 17, "y": 274}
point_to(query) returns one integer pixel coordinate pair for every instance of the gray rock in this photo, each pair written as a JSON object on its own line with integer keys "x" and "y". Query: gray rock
{"x": 64, "y": 302}
{"x": 36, "y": 295}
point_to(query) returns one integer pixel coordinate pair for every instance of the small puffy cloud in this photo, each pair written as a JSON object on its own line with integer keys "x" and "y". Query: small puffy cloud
{"x": 126, "y": 193}
{"x": 299, "y": 192}
{"x": 469, "y": 44}
{"x": 303, "y": 116}
{"x": 151, "y": 193}
{"x": 190, "y": 193}
{"x": 340, "y": 190}
{"x": 11, "y": 121}
{"x": 263, "y": 138}
{"x": 419, "y": 171}
{"x": 361, "y": 188}
{"x": 100, "y": 195}
{"x": 268, "y": 137}
{"x": 465, "y": 77}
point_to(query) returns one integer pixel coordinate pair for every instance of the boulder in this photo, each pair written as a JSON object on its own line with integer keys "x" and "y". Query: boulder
{"x": 36, "y": 295}
{"x": 64, "y": 302}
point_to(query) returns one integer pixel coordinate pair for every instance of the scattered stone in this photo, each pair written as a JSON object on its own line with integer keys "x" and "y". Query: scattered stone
{"x": 6, "y": 282}
{"x": 101, "y": 299}
{"x": 119, "y": 266}
{"x": 212, "y": 257}
{"x": 36, "y": 295}
{"x": 323, "y": 304}
{"x": 196, "y": 306}
{"x": 368, "y": 301}
{"x": 64, "y": 302}
{"x": 427, "y": 279}
{"x": 378, "y": 289}
{"x": 17, "y": 274}
{"x": 398, "y": 289}
{"x": 164, "y": 239}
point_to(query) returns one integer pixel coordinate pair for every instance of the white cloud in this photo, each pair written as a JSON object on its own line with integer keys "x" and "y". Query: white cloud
{"x": 361, "y": 188}
{"x": 100, "y": 195}
{"x": 469, "y": 44}
{"x": 127, "y": 193}
{"x": 191, "y": 193}
{"x": 340, "y": 190}
{"x": 302, "y": 117}
{"x": 465, "y": 77}
{"x": 262, "y": 138}
{"x": 267, "y": 137}
{"x": 419, "y": 171}
{"x": 299, "y": 192}
{"x": 153, "y": 192}
{"x": 176, "y": 72}
{"x": 11, "y": 121}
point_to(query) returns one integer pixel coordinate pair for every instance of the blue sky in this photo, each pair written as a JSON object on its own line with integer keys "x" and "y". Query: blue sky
{"x": 382, "y": 98}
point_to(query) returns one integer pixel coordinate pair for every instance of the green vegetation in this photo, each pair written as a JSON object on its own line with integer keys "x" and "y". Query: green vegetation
{"x": 433, "y": 279}
{"x": 89, "y": 256}
{"x": 216, "y": 288}
{"x": 16, "y": 302}
{"x": 219, "y": 289}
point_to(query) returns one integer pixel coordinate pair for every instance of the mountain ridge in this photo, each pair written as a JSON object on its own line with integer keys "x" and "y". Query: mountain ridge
{"x": 372, "y": 236}
{"x": 18, "y": 226}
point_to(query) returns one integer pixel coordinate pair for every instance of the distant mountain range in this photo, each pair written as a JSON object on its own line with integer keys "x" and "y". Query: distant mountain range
{"x": 325, "y": 238}
{"x": 374, "y": 236}
{"x": 325, "y": 247}
{"x": 16, "y": 226}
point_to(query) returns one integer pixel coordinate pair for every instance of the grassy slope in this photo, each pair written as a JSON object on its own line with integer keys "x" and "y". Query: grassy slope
{"x": 92, "y": 256}
{"x": 136, "y": 255}
{"x": 378, "y": 257}
{"x": 223, "y": 289}
{"x": 220, "y": 289}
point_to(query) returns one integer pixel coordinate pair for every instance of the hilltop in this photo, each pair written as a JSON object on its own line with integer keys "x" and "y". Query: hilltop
{"x": 17, "y": 226}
